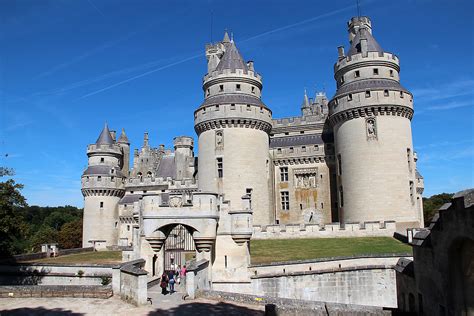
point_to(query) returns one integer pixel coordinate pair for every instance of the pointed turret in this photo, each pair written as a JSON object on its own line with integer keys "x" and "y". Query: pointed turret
{"x": 232, "y": 59}
{"x": 226, "y": 38}
{"x": 123, "y": 138}
{"x": 105, "y": 138}
{"x": 305, "y": 100}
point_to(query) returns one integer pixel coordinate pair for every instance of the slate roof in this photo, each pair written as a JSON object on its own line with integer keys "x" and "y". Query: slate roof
{"x": 232, "y": 59}
{"x": 167, "y": 167}
{"x": 372, "y": 45}
{"x": 370, "y": 84}
{"x": 230, "y": 98}
{"x": 129, "y": 198}
{"x": 103, "y": 170}
{"x": 296, "y": 140}
{"x": 105, "y": 138}
{"x": 123, "y": 138}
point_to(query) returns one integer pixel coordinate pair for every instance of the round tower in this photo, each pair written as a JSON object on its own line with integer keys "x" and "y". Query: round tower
{"x": 233, "y": 127}
{"x": 183, "y": 157}
{"x": 371, "y": 117}
{"x": 102, "y": 188}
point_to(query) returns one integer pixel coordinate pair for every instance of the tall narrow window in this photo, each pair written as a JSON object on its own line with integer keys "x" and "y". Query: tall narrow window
{"x": 401, "y": 94}
{"x": 225, "y": 261}
{"x": 412, "y": 192}
{"x": 367, "y": 94}
{"x": 101, "y": 204}
{"x": 253, "y": 89}
{"x": 357, "y": 74}
{"x": 341, "y": 197}
{"x": 385, "y": 93}
{"x": 376, "y": 71}
{"x": 391, "y": 73}
{"x": 232, "y": 106}
{"x": 349, "y": 97}
{"x": 285, "y": 200}
{"x": 339, "y": 164}
{"x": 409, "y": 159}
{"x": 221, "y": 88}
{"x": 284, "y": 174}
{"x": 220, "y": 167}
{"x": 237, "y": 87}
{"x": 102, "y": 160}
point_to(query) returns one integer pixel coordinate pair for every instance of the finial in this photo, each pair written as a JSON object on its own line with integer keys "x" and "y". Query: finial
{"x": 226, "y": 37}
{"x": 231, "y": 37}
{"x": 145, "y": 140}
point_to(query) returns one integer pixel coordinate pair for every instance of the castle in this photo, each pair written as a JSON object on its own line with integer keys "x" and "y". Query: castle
{"x": 349, "y": 159}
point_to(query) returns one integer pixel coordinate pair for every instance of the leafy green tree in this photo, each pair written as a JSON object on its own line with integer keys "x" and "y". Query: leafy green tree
{"x": 12, "y": 226}
{"x": 70, "y": 235}
{"x": 433, "y": 203}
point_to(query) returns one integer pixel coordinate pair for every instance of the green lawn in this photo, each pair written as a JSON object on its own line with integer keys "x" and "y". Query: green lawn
{"x": 96, "y": 257}
{"x": 267, "y": 251}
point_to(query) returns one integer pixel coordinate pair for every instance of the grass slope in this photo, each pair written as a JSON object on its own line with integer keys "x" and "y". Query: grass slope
{"x": 267, "y": 251}
{"x": 97, "y": 257}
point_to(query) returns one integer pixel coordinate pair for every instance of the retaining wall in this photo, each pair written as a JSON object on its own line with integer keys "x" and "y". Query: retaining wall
{"x": 56, "y": 291}
{"x": 197, "y": 277}
{"x": 130, "y": 282}
{"x": 334, "y": 230}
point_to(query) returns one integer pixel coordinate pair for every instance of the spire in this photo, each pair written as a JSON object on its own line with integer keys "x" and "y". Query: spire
{"x": 105, "y": 138}
{"x": 123, "y": 138}
{"x": 305, "y": 100}
{"x": 226, "y": 38}
{"x": 232, "y": 59}
{"x": 145, "y": 140}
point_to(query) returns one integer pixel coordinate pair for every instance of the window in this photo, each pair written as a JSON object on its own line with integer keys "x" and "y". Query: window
{"x": 221, "y": 88}
{"x": 99, "y": 178}
{"x": 401, "y": 94}
{"x": 339, "y": 164}
{"x": 286, "y": 133}
{"x": 220, "y": 167}
{"x": 341, "y": 197}
{"x": 391, "y": 73}
{"x": 412, "y": 192}
{"x": 409, "y": 159}
{"x": 112, "y": 178}
{"x": 278, "y": 150}
{"x": 232, "y": 106}
{"x": 101, "y": 204}
{"x": 208, "y": 92}
{"x": 225, "y": 261}
{"x": 342, "y": 79}
{"x": 217, "y": 107}
{"x": 301, "y": 132}
{"x": 237, "y": 87}
{"x": 357, "y": 74}
{"x": 291, "y": 150}
{"x": 367, "y": 94}
{"x": 285, "y": 200}
{"x": 303, "y": 149}
{"x": 128, "y": 228}
{"x": 322, "y": 205}
{"x": 376, "y": 71}
{"x": 284, "y": 174}
{"x": 349, "y": 97}
{"x": 316, "y": 147}
{"x": 248, "y": 107}
{"x": 102, "y": 160}
{"x": 385, "y": 93}
{"x": 87, "y": 179}
{"x": 253, "y": 89}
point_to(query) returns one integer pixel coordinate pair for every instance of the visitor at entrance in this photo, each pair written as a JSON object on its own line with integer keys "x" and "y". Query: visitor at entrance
{"x": 182, "y": 275}
{"x": 164, "y": 283}
{"x": 171, "y": 281}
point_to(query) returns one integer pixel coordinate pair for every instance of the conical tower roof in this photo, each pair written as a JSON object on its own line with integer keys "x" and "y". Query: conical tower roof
{"x": 232, "y": 59}
{"x": 105, "y": 138}
{"x": 372, "y": 45}
{"x": 123, "y": 138}
{"x": 226, "y": 38}
{"x": 305, "y": 100}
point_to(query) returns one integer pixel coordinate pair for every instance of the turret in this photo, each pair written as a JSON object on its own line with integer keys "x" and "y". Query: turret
{"x": 306, "y": 106}
{"x": 125, "y": 145}
{"x": 371, "y": 118}
{"x": 233, "y": 126}
{"x": 183, "y": 157}
{"x": 102, "y": 188}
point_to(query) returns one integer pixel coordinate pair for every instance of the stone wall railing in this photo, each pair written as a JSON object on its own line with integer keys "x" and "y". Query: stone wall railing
{"x": 366, "y": 229}
{"x": 129, "y": 281}
{"x": 197, "y": 277}
{"x": 85, "y": 291}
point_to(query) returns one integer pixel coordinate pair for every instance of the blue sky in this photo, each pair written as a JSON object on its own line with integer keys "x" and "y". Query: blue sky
{"x": 69, "y": 66}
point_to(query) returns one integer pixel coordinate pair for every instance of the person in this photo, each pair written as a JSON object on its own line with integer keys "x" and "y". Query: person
{"x": 164, "y": 283}
{"x": 171, "y": 281}
{"x": 182, "y": 275}
{"x": 176, "y": 274}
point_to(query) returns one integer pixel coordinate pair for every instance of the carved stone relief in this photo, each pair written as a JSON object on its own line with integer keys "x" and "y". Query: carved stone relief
{"x": 371, "y": 127}
{"x": 175, "y": 201}
{"x": 220, "y": 139}
{"x": 305, "y": 178}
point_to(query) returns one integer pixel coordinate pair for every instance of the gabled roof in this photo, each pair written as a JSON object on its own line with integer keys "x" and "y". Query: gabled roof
{"x": 372, "y": 45}
{"x": 232, "y": 59}
{"x": 105, "y": 138}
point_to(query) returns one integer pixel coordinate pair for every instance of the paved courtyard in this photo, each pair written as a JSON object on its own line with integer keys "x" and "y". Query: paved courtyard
{"x": 162, "y": 305}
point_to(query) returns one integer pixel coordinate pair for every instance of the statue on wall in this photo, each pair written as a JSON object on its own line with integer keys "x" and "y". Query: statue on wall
{"x": 371, "y": 128}
{"x": 219, "y": 139}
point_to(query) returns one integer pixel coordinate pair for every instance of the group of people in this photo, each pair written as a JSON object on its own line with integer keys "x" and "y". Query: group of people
{"x": 170, "y": 278}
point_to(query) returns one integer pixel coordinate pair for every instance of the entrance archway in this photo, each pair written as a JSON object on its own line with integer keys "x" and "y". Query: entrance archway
{"x": 179, "y": 247}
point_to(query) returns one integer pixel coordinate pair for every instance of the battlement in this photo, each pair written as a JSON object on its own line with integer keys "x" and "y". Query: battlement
{"x": 293, "y": 121}
{"x": 333, "y": 230}
{"x": 145, "y": 181}
{"x": 367, "y": 59}
{"x": 233, "y": 75}
{"x": 103, "y": 149}
{"x": 183, "y": 141}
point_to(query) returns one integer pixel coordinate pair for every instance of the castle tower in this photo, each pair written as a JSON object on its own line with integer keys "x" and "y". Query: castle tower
{"x": 102, "y": 188}
{"x": 184, "y": 157}
{"x": 233, "y": 127}
{"x": 125, "y": 145}
{"x": 371, "y": 118}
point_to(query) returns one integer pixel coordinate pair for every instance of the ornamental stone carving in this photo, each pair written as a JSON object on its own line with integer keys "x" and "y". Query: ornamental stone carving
{"x": 371, "y": 128}
{"x": 175, "y": 201}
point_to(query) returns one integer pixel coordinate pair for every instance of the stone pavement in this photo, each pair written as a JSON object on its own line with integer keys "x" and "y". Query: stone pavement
{"x": 162, "y": 305}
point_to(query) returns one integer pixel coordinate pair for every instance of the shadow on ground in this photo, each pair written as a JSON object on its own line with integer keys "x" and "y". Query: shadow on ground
{"x": 207, "y": 309}
{"x": 38, "y": 311}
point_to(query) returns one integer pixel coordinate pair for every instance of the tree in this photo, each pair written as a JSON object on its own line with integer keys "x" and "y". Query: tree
{"x": 433, "y": 203}
{"x": 12, "y": 225}
{"x": 70, "y": 235}
{"x": 4, "y": 171}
